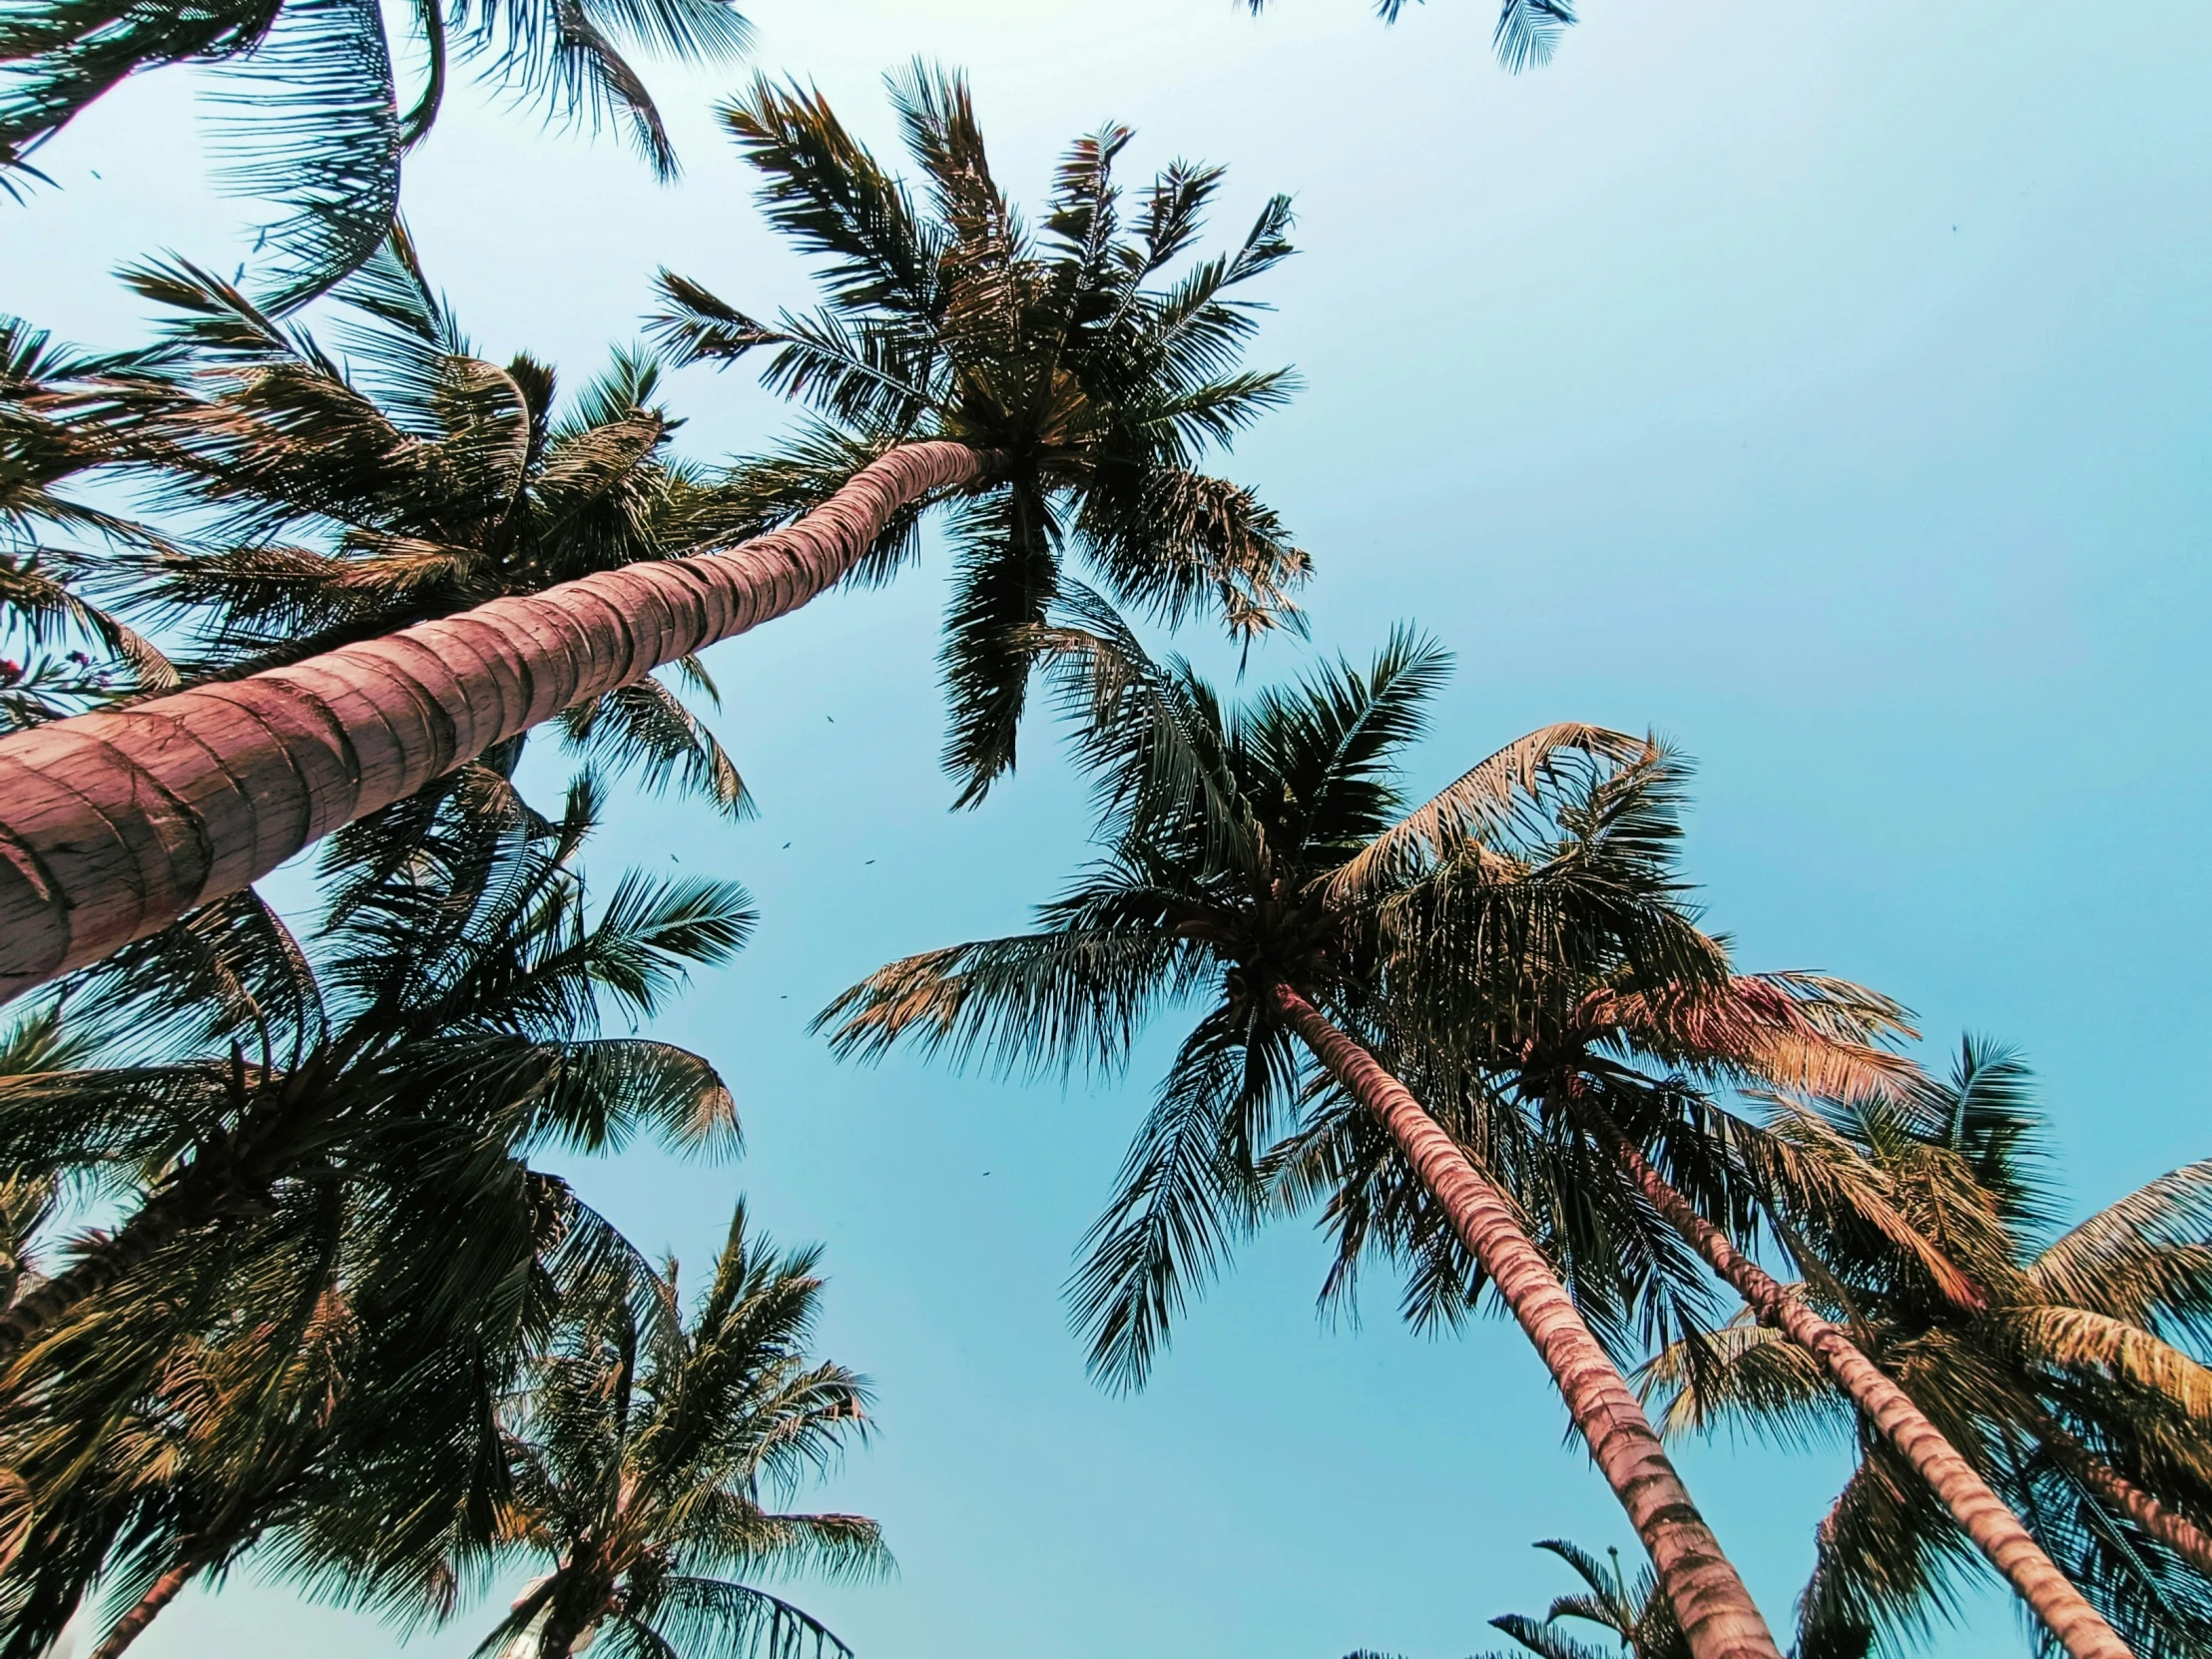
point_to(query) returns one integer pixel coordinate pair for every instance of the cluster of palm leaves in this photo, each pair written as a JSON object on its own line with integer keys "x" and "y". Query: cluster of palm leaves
{"x": 243, "y": 1138}
{"x": 281, "y": 1280}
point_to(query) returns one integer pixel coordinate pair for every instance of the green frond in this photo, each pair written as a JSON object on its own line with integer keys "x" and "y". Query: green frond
{"x": 1027, "y": 1004}
{"x": 1189, "y": 1187}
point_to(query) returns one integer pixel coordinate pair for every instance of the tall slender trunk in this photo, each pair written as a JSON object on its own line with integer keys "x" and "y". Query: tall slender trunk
{"x": 1980, "y": 1512}
{"x": 104, "y": 1260}
{"x": 115, "y": 823}
{"x": 1710, "y": 1602}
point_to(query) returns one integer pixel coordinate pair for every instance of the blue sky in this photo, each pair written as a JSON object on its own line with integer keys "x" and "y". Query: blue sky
{"x": 1823, "y": 386}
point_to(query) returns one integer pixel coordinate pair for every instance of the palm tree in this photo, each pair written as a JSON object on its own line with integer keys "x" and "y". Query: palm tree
{"x": 445, "y": 1011}
{"x": 1613, "y": 1047}
{"x": 1631, "y": 1610}
{"x": 2063, "y": 1380}
{"x": 42, "y": 604}
{"x": 332, "y": 1413}
{"x": 329, "y": 1128}
{"x": 1096, "y": 383}
{"x": 327, "y": 134}
{"x": 950, "y": 320}
{"x": 409, "y": 480}
{"x": 1225, "y": 835}
{"x": 647, "y": 1451}
{"x": 1525, "y": 36}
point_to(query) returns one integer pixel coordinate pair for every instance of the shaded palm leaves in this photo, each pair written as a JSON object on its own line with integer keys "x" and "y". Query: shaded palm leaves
{"x": 649, "y": 1450}
{"x": 1245, "y": 847}
{"x": 319, "y": 129}
{"x": 1093, "y": 377}
{"x": 326, "y": 1135}
{"x": 350, "y": 492}
{"x": 2073, "y": 1357}
{"x": 49, "y": 630}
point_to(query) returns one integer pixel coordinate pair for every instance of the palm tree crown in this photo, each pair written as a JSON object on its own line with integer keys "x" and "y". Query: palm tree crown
{"x": 648, "y": 1450}
{"x": 344, "y": 494}
{"x": 1065, "y": 354}
{"x": 1245, "y": 847}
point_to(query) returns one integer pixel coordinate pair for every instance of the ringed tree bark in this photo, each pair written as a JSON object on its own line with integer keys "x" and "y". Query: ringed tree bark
{"x": 1980, "y": 1512}
{"x": 113, "y": 825}
{"x": 1715, "y": 1611}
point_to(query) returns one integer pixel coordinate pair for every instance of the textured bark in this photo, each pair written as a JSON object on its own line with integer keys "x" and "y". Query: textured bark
{"x": 115, "y": 823}
{"x": 1980, "y": 1512}
{"x": 1710, "y": 1602}
{"x": 103, "y": 1262}
{"x": 132, "y": 1625}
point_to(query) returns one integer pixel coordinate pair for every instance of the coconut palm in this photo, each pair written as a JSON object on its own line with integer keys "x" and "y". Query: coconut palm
{"x": 42, "y": 602}
{"x": 348, "y": 494}
{"x": 1630, "y": 1610}
{"x": 2068, "y": 1379}
{"x": 1561, "y": 1075}
{"x": 445, "y": 1011}
{"x": 338, "y": 1117}
{"x": 329, "y": 1412}
{"x": 1075, "y": 382}
{"x": 649, "y": 1450}
{"x": 326, "y": 131}
{"x": 1091, "y": 395}
{"x": 1224, "y": 833}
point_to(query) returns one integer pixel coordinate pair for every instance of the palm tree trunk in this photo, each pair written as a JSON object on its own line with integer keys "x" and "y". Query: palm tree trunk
{"x": 1710, "y": 1602}
{"x": 132, "y": 1625}
{"x": 115, "y": 823}
{"x": 2169, "y": 1527}
{"x": 155, "y": 1222}
{"x": 1980, "y": 1512}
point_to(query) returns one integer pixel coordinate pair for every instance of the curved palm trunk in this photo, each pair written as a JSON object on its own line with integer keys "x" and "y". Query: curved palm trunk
{"x": 1710, "y": 1602}
{"x": 115, "y": 823}
{"x": 1980, "y": 1512}
{"x": 155, "y": 1222}
{"x": 132, "y": 1625}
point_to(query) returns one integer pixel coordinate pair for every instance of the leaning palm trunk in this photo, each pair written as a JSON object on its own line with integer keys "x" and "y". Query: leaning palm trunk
{"x": 1714, "y": 1610}
{"x": 1980, "y": 1512}
{"x": 104, "y": 1260}
{"x": 2170, "y": 1527}
{"x": 132, "y": 1625}
{"x": 113, "y": 825}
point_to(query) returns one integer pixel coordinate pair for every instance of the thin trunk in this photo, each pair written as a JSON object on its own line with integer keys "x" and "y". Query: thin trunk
{"x": 1710, "y": 1602}
{"x": 2169, "y": 1527}
{"x": 115, "y": 823}
{"x": 158, "y": 1221}
{"x": 132, "y": 1625}
{"x": 1980, "y": 1512}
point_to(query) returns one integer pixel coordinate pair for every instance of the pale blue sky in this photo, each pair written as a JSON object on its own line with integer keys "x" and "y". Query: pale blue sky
{"x": 1822, "y": 384}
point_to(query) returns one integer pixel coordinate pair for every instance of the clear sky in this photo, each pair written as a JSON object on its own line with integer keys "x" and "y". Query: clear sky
{"x": 1824, "y": 386}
